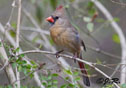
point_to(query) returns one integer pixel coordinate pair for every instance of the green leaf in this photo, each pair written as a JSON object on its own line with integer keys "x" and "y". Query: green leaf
{"x": 17, "y": 49}
{"x": 55, "y": 81}
{"x": 90, "y": 4}
{"x": 71, "y": 85}
{"x": 14, "y": 25}
{"x": 35, "y": 39}
{"x": 49, "y": 83}
{"x": 44, "y": 83}
{"x": 39, "y": 13}
{"x": 24, "y": 71}
{"x": 66, "y": 6}
{"x": 87, "y": 68}
{"x": 44, "y": 78}
{"x": 77, "y": 78}
{"x": 34, "y": 66}
{"x": 100, "y": 20}
{"x": 31, "y": 75}
{"x": 116, "y": 19}
{"x": 98, "y": 61}
{"x": 53, "y": 4}
{"x": 64, "y": 86}
{"x": 115, "y": 38}
{"x": 54, "y": 86}
{"x": 76, "y": 27}
{"x": 18, "y": 61}
{"x": 40, "y": 46}
{"x": 14, "y": 65}
{"x": 22, "y": 55}
{"x": 67, "y": 78}
{"x": 9, "y": 86}
{"x": 19, "y": 68}
{"x": 55, "y": 75}
{"x": 49, "y": 77}
{"x": 0, "y": 44}
{"x": 28, "y": 66}
{"x": 76, "y": 73}
{"x": 90, "y": 27}
{"x": 32, "y": 62}
{"x": 51, "y": 41}
{"x": 87, "y": 19}
{"x": 12, "y": 33}
{"x": 68, "y": 72}
{"x": 91, "y": 11}
{"x": 24, "y": 62}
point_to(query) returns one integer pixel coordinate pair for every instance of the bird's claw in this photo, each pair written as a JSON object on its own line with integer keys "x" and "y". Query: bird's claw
{"x": 74, "y": 59}
{"x": 57, "y": 53}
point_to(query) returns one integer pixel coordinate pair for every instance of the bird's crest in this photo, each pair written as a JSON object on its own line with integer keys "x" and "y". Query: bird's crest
{"x": 59, "y": 8}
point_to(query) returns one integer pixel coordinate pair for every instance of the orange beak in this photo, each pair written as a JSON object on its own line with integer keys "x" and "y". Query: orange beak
{"x": 50, "y": 19}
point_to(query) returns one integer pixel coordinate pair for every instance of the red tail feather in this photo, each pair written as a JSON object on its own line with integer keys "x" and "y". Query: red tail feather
{"x": 85, "y": 74}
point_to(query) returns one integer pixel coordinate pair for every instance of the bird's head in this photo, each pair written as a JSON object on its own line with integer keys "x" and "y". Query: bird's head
{"x": 58, "y": 13}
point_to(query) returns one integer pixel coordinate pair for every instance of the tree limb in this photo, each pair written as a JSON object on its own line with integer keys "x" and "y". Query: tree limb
{"x": 7, "y": 66}
{"x": 121, "y": 36}
{"x": 71, "y": 57}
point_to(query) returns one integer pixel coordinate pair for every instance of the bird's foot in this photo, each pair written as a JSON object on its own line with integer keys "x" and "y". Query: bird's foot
{"x": 74, "y": 57}
{"x": 58, "y": 52}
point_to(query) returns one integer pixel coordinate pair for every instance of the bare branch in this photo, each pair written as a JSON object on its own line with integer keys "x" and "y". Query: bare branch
{"x": 71, "y": 57}
{"x": 121, "y": 36}
{"x": 120, "y": 3}
{"x": 98, "y": 50}
{"x": 8, "y": 67}
{"x": 11, "y": 40}
{"x": 47, "y": 45}
{"x": 5, "y": 64}
{"x": 17, "y": 39}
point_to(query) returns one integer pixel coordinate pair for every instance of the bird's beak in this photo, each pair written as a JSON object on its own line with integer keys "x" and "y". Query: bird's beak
{"x": 50, "y": 19}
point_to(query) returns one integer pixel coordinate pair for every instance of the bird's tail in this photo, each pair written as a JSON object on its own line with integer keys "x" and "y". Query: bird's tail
{"x": 83, "y": 70}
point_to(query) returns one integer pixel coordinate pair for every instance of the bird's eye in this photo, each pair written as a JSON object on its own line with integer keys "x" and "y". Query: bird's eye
{"x": 56, "y": 17}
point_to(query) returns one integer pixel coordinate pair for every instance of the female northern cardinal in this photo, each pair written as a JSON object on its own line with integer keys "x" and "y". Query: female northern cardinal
{"x": 65, "y": 36}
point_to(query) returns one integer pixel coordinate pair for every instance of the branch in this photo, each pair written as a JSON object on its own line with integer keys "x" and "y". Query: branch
{"x": 121, "y": 36}
{"x": 17, "y": 39}
{"x": 4, "y": 66}
{"x": 71, "y": 57}
{"x": 7, "y": 66}
{"x": 11, "y": 40}
{"x": 98, "y": 50}
{"x": 120, "y": 3}
{"x": 47, "y": 44}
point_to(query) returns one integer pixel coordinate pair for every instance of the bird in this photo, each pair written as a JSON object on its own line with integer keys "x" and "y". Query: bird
{"x": 67, "y": 38}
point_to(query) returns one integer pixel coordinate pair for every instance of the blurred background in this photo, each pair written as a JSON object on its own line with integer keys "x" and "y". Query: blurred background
{"x": 102, "y": 42}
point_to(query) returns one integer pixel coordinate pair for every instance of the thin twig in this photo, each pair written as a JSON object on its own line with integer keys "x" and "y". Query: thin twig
{"x": 4, "y": 66}
{"x": 11, "y": 40}
{"x": 121, "y": 36}
{"x": 123, "y": 4}
{"x": 47, "y": 44}
{"x": 17, "y": 39}
{"x": 9, "y": 70}
{"x": 34, "y": 30}
{"x": 71, "y": 57}
{"x": 98, "y": 50}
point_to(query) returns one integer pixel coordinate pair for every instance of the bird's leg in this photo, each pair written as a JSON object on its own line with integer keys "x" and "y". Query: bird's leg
{"x": 74, "y": 57}
{"x": 58, "y": 52}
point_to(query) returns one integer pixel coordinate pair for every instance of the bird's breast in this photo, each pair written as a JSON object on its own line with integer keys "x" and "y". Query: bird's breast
{"x": 57, "y": 35}
{"x": 64, "y": 38}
